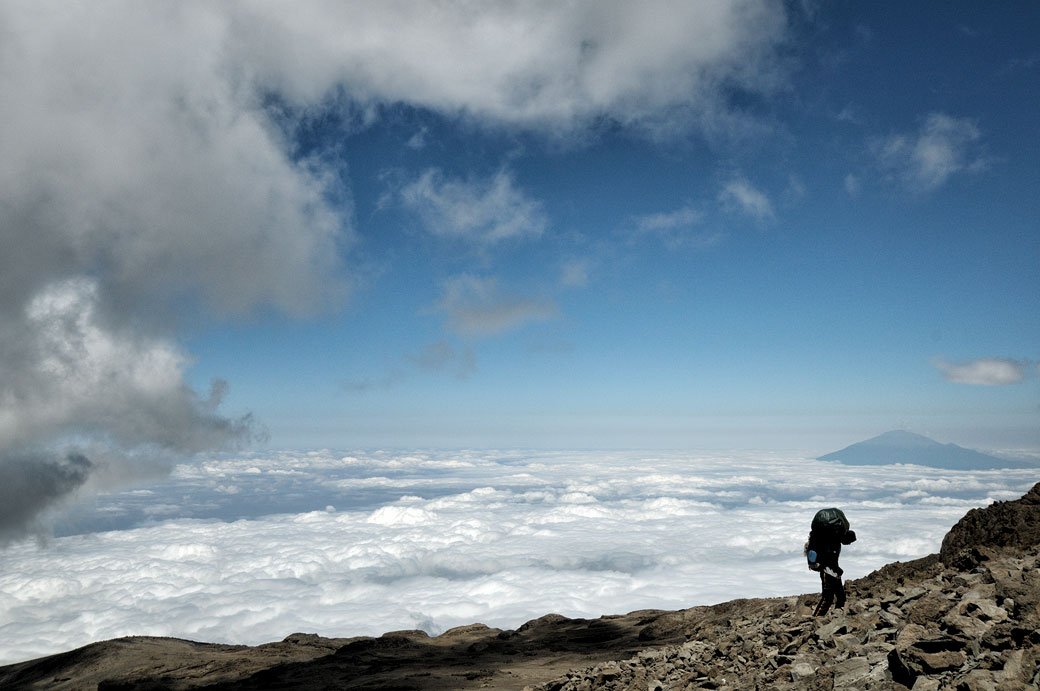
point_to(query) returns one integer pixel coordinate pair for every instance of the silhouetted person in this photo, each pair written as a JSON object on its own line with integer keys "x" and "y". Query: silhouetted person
{"x": 830, "y": 530}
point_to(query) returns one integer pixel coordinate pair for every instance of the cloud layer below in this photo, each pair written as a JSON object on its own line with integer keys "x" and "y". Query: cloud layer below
{"x": 434, "y": 541}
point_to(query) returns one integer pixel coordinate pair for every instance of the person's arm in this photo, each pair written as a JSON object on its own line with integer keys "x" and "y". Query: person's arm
{"x": 849, "y": 538}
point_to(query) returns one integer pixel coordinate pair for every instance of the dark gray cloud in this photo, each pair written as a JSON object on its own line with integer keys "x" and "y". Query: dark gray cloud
{"x": 29, "y": 484}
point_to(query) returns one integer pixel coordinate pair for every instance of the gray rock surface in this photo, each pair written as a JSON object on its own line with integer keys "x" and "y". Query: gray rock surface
{"x": 976, "y": 637}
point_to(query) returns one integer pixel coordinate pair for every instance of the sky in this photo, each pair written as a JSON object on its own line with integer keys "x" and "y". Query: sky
{"x": 249, "y": 548}
{"x": 730, "y": 223}
{"x": 509, "y": 225}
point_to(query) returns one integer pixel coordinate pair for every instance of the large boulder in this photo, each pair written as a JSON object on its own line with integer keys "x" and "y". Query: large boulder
{"x": 1003, "y": 524}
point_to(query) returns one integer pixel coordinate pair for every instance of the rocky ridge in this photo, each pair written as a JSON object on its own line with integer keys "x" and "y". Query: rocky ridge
{"x": 977, "y": 631}
{"x": 967, "y": 618}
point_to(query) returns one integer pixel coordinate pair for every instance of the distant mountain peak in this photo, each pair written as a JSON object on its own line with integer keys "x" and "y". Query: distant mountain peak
{"x": 902, "y": 446}
{"x": 902, "y": 436}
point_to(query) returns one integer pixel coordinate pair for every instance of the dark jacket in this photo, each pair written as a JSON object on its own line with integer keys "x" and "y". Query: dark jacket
{"x": 827, "y": 545}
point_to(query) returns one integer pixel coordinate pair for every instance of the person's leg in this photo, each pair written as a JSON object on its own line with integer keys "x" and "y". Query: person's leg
{"x": 825, "y": 597}
{"x": 839, "y": 593}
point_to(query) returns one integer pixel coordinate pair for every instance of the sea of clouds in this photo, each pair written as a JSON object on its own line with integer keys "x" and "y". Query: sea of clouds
{"x": 248, "y": 549}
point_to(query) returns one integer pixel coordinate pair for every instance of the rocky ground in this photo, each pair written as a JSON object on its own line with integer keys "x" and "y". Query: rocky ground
{"x": 946, "y": 629}
{"x": 967, "y": 619}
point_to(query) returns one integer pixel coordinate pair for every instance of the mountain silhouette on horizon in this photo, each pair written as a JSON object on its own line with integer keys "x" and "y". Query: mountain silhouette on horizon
{"x": 900, "y": 446}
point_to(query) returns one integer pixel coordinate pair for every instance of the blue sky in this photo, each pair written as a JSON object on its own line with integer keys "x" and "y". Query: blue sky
{"x": 792, "y": 275}
{"x": 549, "y": 225}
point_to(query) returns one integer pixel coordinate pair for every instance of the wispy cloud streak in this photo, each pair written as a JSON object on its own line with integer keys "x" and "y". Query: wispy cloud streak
{"x": 740, "y": 195}
{"x": 476, "y": 307}
{"x": 985, "y": 371}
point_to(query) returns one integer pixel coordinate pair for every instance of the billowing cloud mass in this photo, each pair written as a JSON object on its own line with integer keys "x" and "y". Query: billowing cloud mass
{"x": 475, "y": 306}
{"x": 88, "y": 402}
{"x": 360, "y": 544}
{"x": 985, "y": 371}
{"x": 925, "y": 160}
{"x": 140, "y": 175}
{"x": 482, "y": 212}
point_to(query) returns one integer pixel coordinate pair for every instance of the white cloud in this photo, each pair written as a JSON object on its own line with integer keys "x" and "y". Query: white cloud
{"x": 852, "y": 185}
{"x": 547, "y": 65}
{"x": 985, "y": 371}
{"x": 741, "y": 195}
{"x": 925, "y": 160}
{"x": 476, "y": 307}
{"x": 455, "y": 538}
{"x": 483, "y": 212}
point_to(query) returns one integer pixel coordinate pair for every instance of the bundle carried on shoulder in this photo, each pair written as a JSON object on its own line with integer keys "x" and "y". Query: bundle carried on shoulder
{"x": 830, "y": 522}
